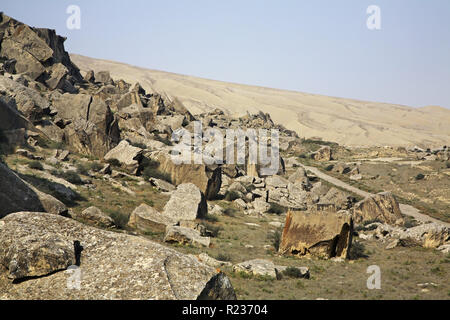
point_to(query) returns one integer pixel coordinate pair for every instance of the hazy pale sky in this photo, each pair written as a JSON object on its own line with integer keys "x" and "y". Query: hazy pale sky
{"x": 320, "y": 46}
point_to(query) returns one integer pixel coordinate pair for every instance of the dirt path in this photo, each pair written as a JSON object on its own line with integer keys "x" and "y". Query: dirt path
{"x": 405, "y": 209}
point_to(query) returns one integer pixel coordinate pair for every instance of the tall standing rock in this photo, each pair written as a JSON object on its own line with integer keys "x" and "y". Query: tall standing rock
{"x": 325, "y": 234}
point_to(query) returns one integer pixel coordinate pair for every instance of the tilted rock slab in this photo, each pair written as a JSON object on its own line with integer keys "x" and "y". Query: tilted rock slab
{"x": 113, "y": 265}
{"x": 325, "y": 234}
{"x": 183, "y": 235}
{"x": 187, "y": 202}
{"x": 382, "y": 206}
{"x": 98, "y": 217}
{"x": 17, "y": 195}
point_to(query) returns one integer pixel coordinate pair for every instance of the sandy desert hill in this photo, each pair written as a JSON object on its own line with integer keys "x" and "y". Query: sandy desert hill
{"x": 346, "y": 121}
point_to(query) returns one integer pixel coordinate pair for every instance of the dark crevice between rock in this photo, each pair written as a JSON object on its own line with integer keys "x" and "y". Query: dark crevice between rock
{"x": 78, "y": 248}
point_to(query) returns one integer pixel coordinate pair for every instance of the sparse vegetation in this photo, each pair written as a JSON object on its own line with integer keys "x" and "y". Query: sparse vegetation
{"x": 213, "y": 229}
{"x": 357, "y": 250}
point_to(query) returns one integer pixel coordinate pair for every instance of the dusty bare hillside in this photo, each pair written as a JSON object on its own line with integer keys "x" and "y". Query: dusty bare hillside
{"x": 346, "y": 121}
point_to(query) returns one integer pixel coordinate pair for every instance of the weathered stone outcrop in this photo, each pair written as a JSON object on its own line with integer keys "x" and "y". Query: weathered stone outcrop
{"x": 95, "y": 216}
{"x": 12, "y": 124}
{"x": 323, "y": 154}
{"x": 428, "y": 235}
{"x": 325, "y": 234}
{"x": 129, "y": 156}
{"x": 183, "y": 235}
{"x": 112, "y": 265}
{"x": 145, "y": 218}
{"x": 207, "y": 178}
{"x": 91, "y": 126}
{"x": 38, "y": 53}
{"x": 187, "y": 202}
{"x": 382, "y": 207}
{"x": 17, "y": 195}
{"x": 26, "y": 100}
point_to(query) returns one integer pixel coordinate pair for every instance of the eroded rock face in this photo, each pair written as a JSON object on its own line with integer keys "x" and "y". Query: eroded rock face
{"x": 127, "y": 155}
{"x": 207, "y": 179}
{"x": 113, "y": 265}
{"x": 39, "y": 54}
{"x": 323, "y": 154}
{"x": 259, "y": 267}
{"x": 183, "y": 235}
{"x": 145, "y": 218}
{"x": 186, "y": 203}
{"x": 383, "y": 207}
{"x": 32, "y": 256}
{"x": 17, "y": 195}
{"x": 326, "y": 234}
{"x": 91, "y": 126}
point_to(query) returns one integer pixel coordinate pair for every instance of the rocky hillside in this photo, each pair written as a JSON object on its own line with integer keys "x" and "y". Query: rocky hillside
{"x": 348, "y": 122}
{"x": 88, "y": 187}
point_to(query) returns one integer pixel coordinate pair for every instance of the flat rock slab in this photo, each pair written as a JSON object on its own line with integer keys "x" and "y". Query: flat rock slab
{"x": 113, "y": 265}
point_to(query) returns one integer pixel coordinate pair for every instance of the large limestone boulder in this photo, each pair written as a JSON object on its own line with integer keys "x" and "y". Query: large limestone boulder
{"x": 127, "y": 155}
{"x": 145, "y": 218}
{"x": 17, "y": 195}
{"x": 38, "y": 53}
{"x": 276, "y": 182}
{"x": 183, "y": 236}
{"x": 382, "y": 206}
{"x": 112, "y": 265}
{"x": 95, "y": 216}
{"x": 326, "y": 234}
{"x": 91, "y": 126}
{"x": 187, "y": 202}
{"x": 323, "y": 154}
{"x": 207, "y": 178}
